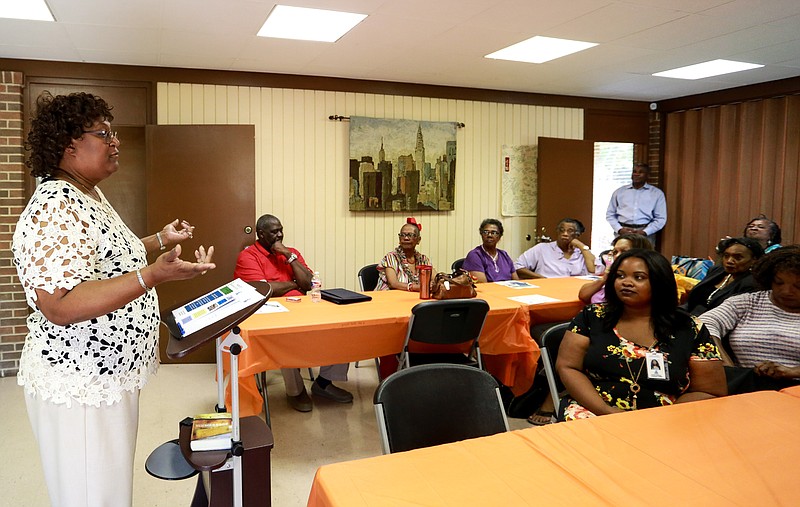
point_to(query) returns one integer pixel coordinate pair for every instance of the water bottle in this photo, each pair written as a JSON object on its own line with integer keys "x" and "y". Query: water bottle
{"x": 316, "y": 288}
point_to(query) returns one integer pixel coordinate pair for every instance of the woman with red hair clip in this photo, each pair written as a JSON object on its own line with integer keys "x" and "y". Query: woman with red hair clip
{"x": 399, "y": 268}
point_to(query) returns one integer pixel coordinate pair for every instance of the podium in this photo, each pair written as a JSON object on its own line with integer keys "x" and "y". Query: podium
{"x": 239, "y": 476}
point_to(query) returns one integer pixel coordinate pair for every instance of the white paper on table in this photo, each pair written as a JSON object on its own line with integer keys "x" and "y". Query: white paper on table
{"x": 272, "y": 307}
{"x": 534, "y": 299}
{"x": 587, "y": 277}
{"x": 517, "y": 284}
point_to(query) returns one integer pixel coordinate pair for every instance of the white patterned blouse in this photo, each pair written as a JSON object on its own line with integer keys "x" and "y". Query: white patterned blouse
{"x": 63, "y": 238}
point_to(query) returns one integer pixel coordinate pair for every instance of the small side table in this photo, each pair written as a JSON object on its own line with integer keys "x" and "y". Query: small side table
{"x": 218, "y": 480}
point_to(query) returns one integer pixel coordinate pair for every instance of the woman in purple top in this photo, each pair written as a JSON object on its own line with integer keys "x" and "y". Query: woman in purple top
{"x": 486, "y": 262}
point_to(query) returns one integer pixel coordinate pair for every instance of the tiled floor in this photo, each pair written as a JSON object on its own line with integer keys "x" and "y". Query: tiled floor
{"x": 303, "y": 441}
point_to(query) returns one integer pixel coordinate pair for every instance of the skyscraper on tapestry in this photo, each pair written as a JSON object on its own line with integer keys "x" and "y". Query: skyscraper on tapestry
{"x": 401, "y": 165}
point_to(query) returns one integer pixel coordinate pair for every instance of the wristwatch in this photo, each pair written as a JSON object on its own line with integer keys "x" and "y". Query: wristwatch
{"x": 585, "y": 247}
{"x": 291, "y": 258}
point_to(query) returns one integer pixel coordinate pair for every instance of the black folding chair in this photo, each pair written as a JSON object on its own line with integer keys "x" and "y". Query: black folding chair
{"x": 446, "y": 322}
{"x": 368, "y": 277}
{"x": 436, "y": 404}
{"x": 368, "y": 280}
{"x": 550, "y": 342}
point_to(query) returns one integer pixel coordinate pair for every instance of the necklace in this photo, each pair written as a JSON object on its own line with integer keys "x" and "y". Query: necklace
{"x": 90, "y": 191}
{"x": 723, "y": 284}
{"x": 635, "y": 387}
{"x": 412, "y": 277}
{"x": 493, "y": 258}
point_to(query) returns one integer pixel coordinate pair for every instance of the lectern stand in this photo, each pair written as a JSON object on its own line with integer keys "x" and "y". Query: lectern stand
{"x": 245, "y": 479}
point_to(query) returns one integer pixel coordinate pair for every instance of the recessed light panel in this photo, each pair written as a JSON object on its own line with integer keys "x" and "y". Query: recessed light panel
{"x": 301, "y": 23}
{"x": 36, "y": 10}
{"x": 540, "y": 49}
{"x": 708, "y": 69}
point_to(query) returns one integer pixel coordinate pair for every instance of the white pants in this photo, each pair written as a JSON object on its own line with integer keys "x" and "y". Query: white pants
{"x": 87, "y": 452}
{"x": 294, "y": 382}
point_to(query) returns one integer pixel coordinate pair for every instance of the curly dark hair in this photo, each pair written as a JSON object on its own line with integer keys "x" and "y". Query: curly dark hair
{"x": 774, "y": 230}
{"x": 751, "y": 244}
{"x": 58, "y": 121}
{"x": 492, "y": 221}
{"x": 786, "y": 258}
{"x": 664, "y": 312}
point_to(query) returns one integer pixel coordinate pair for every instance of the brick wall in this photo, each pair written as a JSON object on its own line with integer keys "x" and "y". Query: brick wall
{"x": 654, "y": 148}
{"x": 13, "y": 309}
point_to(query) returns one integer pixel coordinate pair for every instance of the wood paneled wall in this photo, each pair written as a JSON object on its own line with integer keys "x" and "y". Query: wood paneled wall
{"x": 725, "y": 165}
{"x": 302, "y": 167}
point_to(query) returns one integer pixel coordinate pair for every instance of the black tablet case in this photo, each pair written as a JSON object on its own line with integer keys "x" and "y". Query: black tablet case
{"x": 344, "y": 296}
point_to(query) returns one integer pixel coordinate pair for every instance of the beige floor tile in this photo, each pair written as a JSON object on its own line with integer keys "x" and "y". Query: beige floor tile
{"x": 330, "y": 433}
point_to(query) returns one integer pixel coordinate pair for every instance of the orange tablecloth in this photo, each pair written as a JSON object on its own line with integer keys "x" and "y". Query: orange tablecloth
{"x": 739, "y": 450}
{"x": 794, "y": 391}
{"x": 565, "y": 290}
{"x": 314, "y": 334}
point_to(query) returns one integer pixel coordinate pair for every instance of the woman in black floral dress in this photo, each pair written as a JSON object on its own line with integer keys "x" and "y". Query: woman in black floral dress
{"x": 638, "y": 350}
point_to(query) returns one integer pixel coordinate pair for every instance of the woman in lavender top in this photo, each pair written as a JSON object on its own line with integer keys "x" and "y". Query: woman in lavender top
{"x": 486, "y": 262}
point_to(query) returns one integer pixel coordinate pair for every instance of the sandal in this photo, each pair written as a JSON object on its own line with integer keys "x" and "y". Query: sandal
{"x": 541, "y": 418}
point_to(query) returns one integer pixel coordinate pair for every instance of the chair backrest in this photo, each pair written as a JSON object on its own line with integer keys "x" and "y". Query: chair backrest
{"x": 457, "y": 264}
{"x": 550, "y": 342}
{"x": 446, "y": 322}
{"x": 435, "y": 404}
{"x": 368, "y": 277}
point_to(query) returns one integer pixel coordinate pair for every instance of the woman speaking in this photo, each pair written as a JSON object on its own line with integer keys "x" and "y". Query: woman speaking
{"x": 93, "y": 333}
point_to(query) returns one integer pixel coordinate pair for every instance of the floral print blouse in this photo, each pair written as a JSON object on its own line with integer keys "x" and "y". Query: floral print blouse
{"x": 608, "y": 352}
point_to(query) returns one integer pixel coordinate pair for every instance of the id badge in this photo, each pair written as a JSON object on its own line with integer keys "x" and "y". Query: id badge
{"x": 656, "y": 367}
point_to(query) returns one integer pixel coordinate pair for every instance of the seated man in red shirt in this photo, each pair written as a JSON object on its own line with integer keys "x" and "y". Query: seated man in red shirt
{"x": 286, "y": 271}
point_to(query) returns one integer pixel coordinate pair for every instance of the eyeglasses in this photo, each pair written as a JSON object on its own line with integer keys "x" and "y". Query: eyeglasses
{"x": 490, "y": 233}
{"x": 107, "y": 135}
{"x": 411, "y": 235}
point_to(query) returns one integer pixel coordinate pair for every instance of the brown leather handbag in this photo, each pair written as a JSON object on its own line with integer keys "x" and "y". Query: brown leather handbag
{"x": 458, "y": 285}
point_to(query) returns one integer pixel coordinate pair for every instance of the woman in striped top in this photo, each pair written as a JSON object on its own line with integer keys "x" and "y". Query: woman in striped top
{"x": 762, "y": 329}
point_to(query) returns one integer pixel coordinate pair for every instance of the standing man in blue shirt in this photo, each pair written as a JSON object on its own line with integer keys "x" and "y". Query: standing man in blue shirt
{"x": 638, "y": 208}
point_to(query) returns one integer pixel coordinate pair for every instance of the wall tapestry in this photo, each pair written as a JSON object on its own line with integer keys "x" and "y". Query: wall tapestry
{"x": 401, "y": 165}
{"x": 518, "y": 167}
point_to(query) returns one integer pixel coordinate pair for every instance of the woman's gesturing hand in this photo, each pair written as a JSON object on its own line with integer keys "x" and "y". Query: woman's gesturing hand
{"x": 169, "y": 266}
{"x": 176, "y": 231}
{"x": 203, "y": 256}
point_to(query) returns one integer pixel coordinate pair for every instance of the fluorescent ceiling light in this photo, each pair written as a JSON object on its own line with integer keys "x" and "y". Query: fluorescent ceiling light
{"x": 301, "y": 23}
{"x": 540, "y": 49}
{"x": 708, "y": 69}
{"x": 36, "y": 10}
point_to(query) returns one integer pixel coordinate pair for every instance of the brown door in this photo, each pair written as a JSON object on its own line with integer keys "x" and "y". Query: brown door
{"x": 565, "y": 173}
{"x": 204, "y": 174}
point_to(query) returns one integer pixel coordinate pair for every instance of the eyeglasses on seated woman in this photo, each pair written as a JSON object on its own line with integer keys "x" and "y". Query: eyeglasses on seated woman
{"x": 398, "y": 269}
{"x": 486, "y": 262}
{"x": 765, "y": 231}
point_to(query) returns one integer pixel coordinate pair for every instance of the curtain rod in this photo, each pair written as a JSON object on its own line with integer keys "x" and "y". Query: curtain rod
{"x": 336, "y": 117}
